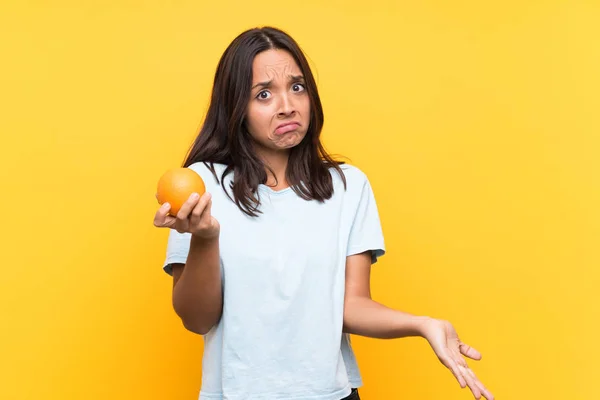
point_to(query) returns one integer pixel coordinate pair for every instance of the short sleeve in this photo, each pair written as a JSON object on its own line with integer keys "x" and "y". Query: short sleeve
{"x": 178, "y": 247}
{"x": 366, "y": 232}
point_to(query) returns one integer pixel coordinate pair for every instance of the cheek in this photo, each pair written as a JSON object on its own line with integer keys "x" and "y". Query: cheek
{"x": 305, "y": 107}
{"x": 257, "y": 121}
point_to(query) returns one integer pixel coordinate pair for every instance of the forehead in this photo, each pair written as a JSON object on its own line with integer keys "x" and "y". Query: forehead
{"x": 272, "y": 64}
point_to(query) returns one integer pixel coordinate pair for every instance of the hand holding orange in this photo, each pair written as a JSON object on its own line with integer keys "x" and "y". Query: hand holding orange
{"x": 189, "y": 209}
{"x": 176, "y": 185}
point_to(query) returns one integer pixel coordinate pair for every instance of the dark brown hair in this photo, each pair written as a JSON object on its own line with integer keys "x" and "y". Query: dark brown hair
{"x": 224, "y": 138}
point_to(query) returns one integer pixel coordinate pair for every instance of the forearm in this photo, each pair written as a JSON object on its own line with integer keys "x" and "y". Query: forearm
{"x": 366, "y": 317}
{"x": 197, "y": 295}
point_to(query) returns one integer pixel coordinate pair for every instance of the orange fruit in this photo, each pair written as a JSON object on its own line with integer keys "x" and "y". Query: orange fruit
{"x": 176, "y": 185}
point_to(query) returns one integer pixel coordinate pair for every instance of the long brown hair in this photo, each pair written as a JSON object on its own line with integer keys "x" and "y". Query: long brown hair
{"x": 224, "y": 138}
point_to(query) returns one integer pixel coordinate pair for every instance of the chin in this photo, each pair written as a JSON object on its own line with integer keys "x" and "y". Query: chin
{"x": 288, "y": 143}
{"x": 285, "y": 148}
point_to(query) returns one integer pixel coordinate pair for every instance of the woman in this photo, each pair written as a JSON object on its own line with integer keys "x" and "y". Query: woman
{"x": 271, "y": 265}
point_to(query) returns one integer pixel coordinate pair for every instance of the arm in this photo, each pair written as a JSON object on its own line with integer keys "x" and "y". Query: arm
{"x": 364, "y": 316}
{"x": 197, "y": 290}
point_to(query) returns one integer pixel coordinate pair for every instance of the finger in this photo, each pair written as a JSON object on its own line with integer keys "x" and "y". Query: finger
{"x": 453, "y": 367}
{"x": 206, "y": 215}
{"x": 487, "y": 394}
{"x": 471, "y": 382}
{"x": 460, "y": 360}
{"x": 469, "y": 351}
{"x": 162, "y": 218}
{"x": 200, "y": 208}
{"x": 188, "y": 206}
{"x": 484, "y": 391}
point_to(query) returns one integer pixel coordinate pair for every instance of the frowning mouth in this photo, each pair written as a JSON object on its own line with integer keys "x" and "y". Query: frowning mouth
{"x": 287, "y": 127}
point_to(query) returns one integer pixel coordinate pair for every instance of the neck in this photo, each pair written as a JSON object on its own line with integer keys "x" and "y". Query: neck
{"x": 277, "y": 162}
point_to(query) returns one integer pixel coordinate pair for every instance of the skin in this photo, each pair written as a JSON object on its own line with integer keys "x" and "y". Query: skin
{"x": 197, "y": 296}
{"x": 366, "y": 317}
{"x": 278, "y": 96}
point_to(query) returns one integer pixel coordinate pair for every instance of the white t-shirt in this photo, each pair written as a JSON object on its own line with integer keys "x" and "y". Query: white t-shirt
{"x": 283, "y": 274}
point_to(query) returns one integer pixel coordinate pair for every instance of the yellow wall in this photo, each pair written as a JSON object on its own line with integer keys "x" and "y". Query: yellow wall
{"x": 477, "y": 123}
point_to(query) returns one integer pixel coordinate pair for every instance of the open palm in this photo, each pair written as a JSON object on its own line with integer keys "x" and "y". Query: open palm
{"x": 444, "y": 341}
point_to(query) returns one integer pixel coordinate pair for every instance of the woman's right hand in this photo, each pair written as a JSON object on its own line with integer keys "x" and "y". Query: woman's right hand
{"x": 194, "y": 217}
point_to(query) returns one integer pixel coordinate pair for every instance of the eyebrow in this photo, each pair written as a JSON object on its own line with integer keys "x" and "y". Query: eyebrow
{"x": 267, "y": 84}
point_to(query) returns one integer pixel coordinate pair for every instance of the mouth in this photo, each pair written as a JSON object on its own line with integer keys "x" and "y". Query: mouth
{"x": 287, "y": 127}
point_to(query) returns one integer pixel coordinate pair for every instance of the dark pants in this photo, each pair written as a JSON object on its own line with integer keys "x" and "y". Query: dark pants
{"x": 353, "y": 396}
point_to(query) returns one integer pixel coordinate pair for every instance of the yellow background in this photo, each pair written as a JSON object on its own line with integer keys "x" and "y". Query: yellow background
{"x": 477, "y": 123}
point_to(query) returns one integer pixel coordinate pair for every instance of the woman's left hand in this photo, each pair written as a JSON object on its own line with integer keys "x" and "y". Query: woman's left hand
{"x": 444, "y": 341}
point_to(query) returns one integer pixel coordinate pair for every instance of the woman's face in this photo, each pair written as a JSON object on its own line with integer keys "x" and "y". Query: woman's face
{"x": 278, "y": 113}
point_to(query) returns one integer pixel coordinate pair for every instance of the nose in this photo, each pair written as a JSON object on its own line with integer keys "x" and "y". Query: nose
{"x": 286, "y": 106}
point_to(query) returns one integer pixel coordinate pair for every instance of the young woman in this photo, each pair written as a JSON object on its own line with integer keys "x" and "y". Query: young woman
{"x": 271, "y": 265}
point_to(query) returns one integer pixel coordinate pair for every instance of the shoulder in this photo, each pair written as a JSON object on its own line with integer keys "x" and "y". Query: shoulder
{"x": 353, "y": 172}
{"x": 353, "y": 175}
{"x": 354, "y": 184}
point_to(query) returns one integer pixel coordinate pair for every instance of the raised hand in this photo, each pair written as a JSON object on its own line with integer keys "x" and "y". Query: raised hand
{"x": 194, "y": 217}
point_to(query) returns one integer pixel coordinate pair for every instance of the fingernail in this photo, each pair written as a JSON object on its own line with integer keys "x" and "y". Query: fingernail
{"x": 165, "y": 206}
{"x": 195, "y": 196}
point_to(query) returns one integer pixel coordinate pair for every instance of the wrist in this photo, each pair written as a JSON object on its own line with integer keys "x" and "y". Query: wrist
{"x": 429, "y": 327}
{"x": 203, "y": 251}
{"x": 202, "y": 241}
{"x": 421, "y": 326}
{"x": 408, "y": 325}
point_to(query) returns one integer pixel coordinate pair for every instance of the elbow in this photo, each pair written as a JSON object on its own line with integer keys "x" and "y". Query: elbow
{"x": 348, "y": 315}
{"x": 357, "y": 309}
{"x": 193, "y": 322}
{"x": 196, "y": 328}
{"x": 351, "y": 303}
{"x": 199, "y": 320}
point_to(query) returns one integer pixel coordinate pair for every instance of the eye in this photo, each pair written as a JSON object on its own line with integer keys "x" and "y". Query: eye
{"x": 298, "y": 87}
{"x": 265, "y": 94}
